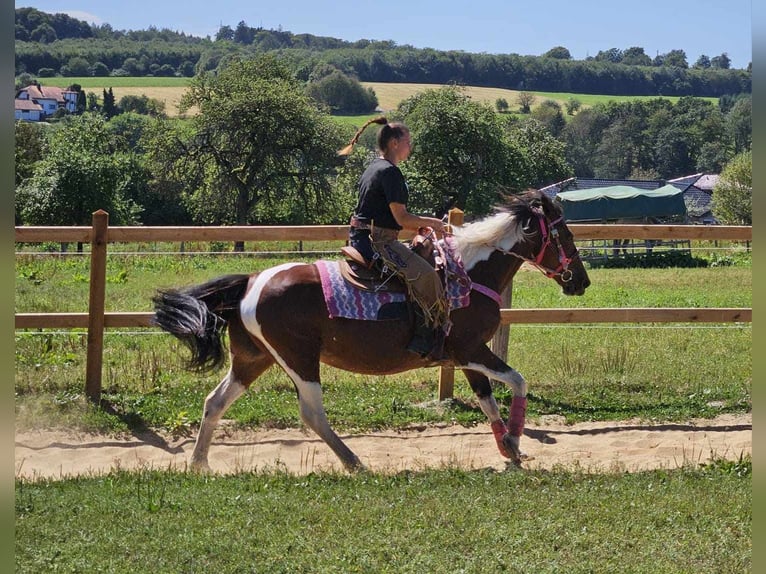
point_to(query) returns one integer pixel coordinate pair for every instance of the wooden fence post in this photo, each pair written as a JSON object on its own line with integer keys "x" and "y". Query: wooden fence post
{"x": 447, "y": 374}
{"x": 97, "y": 296}
{"x": 499, "y": 343}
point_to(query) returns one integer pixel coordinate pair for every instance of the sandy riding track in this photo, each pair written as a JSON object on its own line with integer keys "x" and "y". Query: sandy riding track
{"x": 600, "y": 446}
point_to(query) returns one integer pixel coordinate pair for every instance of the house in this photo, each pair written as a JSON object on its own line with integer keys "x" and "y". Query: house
{"x": 49, "y": 99}
{"x": 28, "y": 110}
{"x": 698, "y": 195}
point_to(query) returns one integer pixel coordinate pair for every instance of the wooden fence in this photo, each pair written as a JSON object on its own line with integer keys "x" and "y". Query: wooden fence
{"x": 99, "y": 235}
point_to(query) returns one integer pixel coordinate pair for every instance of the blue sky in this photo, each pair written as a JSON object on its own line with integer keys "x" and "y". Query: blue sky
{"x": 585, "y": 27}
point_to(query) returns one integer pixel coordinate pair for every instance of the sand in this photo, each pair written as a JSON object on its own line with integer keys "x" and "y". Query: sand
{"x": 629, "y": 446}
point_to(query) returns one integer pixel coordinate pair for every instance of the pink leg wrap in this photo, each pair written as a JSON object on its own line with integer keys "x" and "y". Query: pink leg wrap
{"x": 500, "y": 430}
{"x": 517, "y": 416}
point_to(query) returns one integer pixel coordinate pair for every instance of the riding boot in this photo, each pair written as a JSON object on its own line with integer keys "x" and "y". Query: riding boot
{"x": 423, "y": 341}
{"x": 437, "y": 352}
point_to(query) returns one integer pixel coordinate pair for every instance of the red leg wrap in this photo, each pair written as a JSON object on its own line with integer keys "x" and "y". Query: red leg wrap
{"x": 517, "y": 416}
{"x": 500, "y": 430}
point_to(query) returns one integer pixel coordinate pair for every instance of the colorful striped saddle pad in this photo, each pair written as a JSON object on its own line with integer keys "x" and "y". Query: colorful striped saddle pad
{"x": 344, "y": 300}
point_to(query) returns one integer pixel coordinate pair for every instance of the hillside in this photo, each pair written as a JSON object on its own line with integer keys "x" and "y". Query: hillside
{"x": 66, "y": 47}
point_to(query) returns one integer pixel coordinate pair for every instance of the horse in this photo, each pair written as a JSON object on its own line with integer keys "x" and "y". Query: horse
{"x": 279, "y": 316}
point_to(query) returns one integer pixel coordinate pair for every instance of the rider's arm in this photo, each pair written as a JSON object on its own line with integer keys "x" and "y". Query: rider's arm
{"x": 411, "y": 221}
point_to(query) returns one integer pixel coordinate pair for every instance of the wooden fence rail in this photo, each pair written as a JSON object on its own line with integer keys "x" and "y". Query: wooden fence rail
{"x": 100, "y": 234}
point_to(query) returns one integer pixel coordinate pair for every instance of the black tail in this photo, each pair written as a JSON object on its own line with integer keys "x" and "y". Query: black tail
{"x": 197, "y": 316}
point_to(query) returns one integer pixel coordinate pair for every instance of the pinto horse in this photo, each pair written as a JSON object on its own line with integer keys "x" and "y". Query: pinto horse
{"x": 280, "y": 316}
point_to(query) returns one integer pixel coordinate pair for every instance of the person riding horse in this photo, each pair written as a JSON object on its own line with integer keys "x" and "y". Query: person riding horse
{"x": 380, "y": 214}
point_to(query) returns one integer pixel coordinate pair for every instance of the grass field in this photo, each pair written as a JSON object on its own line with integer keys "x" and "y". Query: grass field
{"x": 686, "y": 519}
{"x": 170, "y": 90}
{"x": 450, "y": 521}
{"x": 582, "y": 372}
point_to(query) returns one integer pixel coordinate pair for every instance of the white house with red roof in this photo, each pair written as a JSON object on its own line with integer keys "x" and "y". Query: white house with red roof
{"x": 36, "y": 102}
{"x": 28, "y": 110}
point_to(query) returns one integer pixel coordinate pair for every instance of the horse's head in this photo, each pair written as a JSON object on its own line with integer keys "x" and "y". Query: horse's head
{"x": 549, "y": 243}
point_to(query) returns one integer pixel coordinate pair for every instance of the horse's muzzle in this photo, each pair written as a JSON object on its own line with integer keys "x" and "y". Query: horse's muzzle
{"x": 574, "y": 287}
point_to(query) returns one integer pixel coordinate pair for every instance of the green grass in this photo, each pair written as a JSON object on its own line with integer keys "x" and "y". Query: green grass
{"x": 87, "y": 82}
{"x": 583, "y": 372}
{"x": 589, "y": 100}
{"x": 683, "y": 520}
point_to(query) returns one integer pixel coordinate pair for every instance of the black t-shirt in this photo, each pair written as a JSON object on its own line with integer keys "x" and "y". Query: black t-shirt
{"x": 381, "y": 183}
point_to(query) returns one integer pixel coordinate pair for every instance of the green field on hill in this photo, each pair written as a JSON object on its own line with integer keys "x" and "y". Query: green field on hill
{"x": 170, "y": 90}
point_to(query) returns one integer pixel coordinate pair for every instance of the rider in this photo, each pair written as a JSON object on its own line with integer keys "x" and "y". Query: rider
{"x": 381, "y": 212}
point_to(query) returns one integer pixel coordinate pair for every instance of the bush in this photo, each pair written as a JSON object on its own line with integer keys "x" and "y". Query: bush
{"x": 660, "y": 259}
{"x": 99, "y": 70}
{"x": 343, "y": 95}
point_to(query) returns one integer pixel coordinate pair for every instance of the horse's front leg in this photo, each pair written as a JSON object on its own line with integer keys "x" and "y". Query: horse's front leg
{"x": 478, "y": 369}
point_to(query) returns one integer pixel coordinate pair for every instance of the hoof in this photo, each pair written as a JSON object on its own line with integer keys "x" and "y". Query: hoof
{"x": 355, "y": 467}
{"x": 200, "y": 467}
{"x": 511, "y": 444}
{"x": 500, "y": 431}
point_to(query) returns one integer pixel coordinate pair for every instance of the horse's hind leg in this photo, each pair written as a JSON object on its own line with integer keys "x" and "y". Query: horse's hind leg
{"x": 247, "y": 363}
{"x": 216, "y": 403}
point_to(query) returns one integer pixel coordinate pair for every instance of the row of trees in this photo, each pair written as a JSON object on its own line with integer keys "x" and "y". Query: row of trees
{"x": 164, "y": 53}
{"x": 33, "y": 25}
{"x": 262, "y": 150}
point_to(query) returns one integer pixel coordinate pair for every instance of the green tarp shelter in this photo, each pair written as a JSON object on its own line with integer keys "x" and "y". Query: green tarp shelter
{"x": 621, "y": 202}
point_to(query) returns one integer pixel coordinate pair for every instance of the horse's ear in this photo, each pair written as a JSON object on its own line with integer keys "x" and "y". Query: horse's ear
{"x": 527, "y": 223}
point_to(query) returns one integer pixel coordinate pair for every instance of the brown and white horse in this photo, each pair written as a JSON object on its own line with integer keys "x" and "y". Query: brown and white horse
{"x": 280, "y": 316}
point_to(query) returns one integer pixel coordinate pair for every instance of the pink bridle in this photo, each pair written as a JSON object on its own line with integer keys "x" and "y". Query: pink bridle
{"x": 550, "y": 235}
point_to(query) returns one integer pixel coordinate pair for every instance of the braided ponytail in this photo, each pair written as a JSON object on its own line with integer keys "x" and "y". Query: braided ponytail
{"x": 381, "y": 120}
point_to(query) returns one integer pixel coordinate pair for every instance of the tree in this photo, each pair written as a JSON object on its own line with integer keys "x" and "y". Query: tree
{"x": 133, "y": 66}
{"x": 29, "y": 148}
{"x": 573, "y": 105}
{"x": 544, "y": 155}
{"x": 525, "y": 101}
{"x": 722, "y": 62}
{"x": 676, "y": 58}
{"x": 739, "y": 122}
{"x": 613, "y": 55}
{"x": 99, "y": 70}
{"x": 616, "y": 154}
{"x": 244, "y": 34}
{"x": 703, "y": 62}
{"x": 81, "y": 172}
{"x": 549, "y": 114}
{"x": 44, "y": 34}
{"x": 559, "y": 53}
{"x": 76, "y": 66}
{"x": 109, "y": 107}
{"x": 224, "y": 33}
{"x": 258, "y": 150}
{"x": 342, "y": 94}
{"x": 733, "y": 194}
{"x": 461, "y": 155}
{"x": 582, "y": 135}
{"x": 636, "y": 56}
{"x": 501, "y": 105}
{"x": 142, "y": 104}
